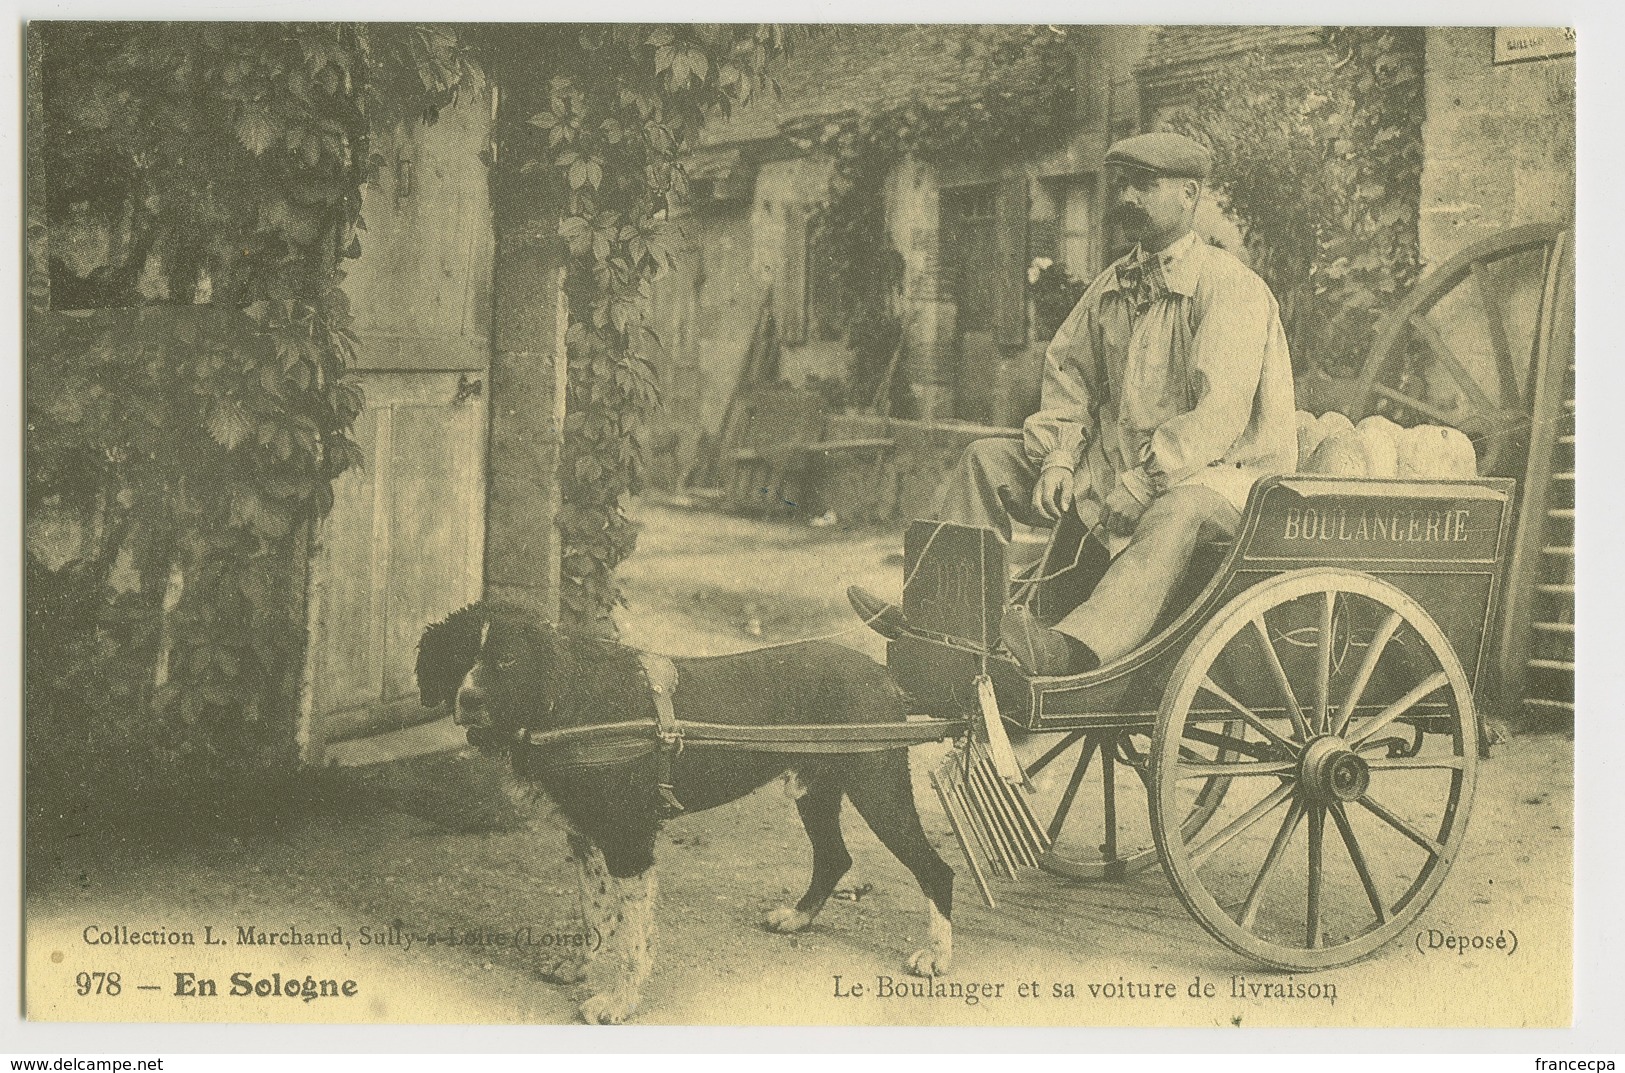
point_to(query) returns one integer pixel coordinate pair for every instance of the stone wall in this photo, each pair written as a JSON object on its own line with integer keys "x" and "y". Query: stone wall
{"x": 748, "y": 232}
{"x": 1498, "y": 142}
{"x": 707, "y": 308}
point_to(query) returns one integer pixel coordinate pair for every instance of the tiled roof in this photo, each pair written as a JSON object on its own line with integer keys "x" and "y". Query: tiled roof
{"x": 844, "y": 69}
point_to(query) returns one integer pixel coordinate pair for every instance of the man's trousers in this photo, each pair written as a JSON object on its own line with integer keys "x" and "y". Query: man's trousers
{"x": 1136, "y": 586}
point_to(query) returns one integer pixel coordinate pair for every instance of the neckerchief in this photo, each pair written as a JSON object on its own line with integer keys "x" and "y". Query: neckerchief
{"x": 1142, "y": 281}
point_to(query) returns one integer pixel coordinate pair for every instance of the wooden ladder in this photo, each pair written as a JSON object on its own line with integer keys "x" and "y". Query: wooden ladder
{"x": 1537, "y": 642}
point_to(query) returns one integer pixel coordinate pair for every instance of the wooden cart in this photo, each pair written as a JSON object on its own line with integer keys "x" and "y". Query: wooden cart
{"x": 1303, "y": 727}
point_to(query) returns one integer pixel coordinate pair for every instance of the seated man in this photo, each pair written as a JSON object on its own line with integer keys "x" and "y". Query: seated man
{"x": 1167, "y": 393}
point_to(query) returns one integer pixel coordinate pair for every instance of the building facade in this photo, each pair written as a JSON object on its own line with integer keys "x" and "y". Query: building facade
{"x": 1496, "y": 145}
{"x": 966, "y": 233}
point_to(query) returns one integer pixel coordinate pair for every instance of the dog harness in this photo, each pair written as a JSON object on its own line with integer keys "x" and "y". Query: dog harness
{"x": 661, "y": 674}
{"x": 603, "y": 744}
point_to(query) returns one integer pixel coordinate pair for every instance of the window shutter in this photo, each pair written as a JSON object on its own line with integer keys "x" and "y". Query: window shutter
{"x": 792, "y": 293}
{"x": 1009, "y": 284}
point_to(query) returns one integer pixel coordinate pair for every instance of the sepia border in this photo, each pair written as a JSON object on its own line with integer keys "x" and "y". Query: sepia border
{"x": 1600, "y": 741}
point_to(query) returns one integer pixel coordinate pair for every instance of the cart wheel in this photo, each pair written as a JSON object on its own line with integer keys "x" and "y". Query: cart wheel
{"x": 1088, "y": 788}
{"x": 1484, "y": 300}
{"x": 1337, "y": 829}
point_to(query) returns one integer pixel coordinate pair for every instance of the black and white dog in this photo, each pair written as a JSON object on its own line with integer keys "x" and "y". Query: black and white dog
{"x": 504, "y": 674}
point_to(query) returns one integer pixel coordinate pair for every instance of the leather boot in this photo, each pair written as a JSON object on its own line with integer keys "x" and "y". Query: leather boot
{"x": 1042, "y": 651}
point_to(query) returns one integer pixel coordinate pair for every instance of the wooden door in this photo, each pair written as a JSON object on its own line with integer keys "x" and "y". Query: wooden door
{"x": 969, "y": 266}
{"x": 401, "y": 548}
{"x": 404, "y": 543}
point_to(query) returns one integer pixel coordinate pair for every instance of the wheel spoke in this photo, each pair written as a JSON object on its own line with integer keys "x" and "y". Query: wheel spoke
{"x": 1386, "y": 816}
{"x": 1280, "y": 727}
{"x": 1108, "y": 783}
{"x": 1489, "y": 297}
{"x": 1399, "y": 707}
{"x": 1429, "y": 334}
{"x": 1188, "y": 755}
{"x": 1323, "y": 664}
{"x": 1264, "y": 807}
{"x": 1090, "y": 744}
{"x": 1273, "y": 659}
{"x": 1243, "y": 770}
{"x": 1255, "y": 749}
{"x": 1344, "y": 828}
{"x": 1417, "y": 763}
{"x": 1246, "y": 713}
{"x": 1044, "y": 761}
{"x": 1317, "y": 832}
{"x": 1214, "y": 787}
{"x": 1373, "y": 653}
{"x": 1272, "y": 860}
{"x": 1443, "y": 417}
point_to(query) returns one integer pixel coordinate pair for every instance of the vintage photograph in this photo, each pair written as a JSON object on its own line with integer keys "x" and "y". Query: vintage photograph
{"x": 787, "y": 525}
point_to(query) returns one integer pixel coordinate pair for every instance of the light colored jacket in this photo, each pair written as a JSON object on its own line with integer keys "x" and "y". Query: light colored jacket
{"x": 1196, "y": 389}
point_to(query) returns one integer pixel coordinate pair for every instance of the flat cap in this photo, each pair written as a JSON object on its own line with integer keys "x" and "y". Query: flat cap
{"x": 1163, "y": 153}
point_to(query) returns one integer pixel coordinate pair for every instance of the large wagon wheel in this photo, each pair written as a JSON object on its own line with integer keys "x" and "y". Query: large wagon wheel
{"x": 1444, "y": 360}
{"x": 1088, "y": 787}
{"x": 1351, "y": 774}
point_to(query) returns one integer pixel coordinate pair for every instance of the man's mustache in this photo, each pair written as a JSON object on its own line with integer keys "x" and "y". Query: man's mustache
{"x": 1127, "y": 215}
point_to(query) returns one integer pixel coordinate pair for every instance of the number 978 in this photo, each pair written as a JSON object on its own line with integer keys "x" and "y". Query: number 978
{"x": 98, "y": 983}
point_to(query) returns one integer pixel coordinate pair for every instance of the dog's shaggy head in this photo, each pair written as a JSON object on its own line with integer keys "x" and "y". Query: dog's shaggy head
{"x": 465, "y": 662}
{"x": 447, "y": 653}
{"x": 500, "y": 670}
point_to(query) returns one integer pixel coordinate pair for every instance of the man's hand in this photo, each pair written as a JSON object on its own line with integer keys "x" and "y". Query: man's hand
{"x": 1052, "y": 495}
{"x": 1122, "y": 511}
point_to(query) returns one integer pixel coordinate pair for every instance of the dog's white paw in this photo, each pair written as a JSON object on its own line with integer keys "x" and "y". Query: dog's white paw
{"x": 933, "y": 958}
{"x": 568, "y": 970}
{"x": 610, "y": 1008}
{"x": 786, "y": 919}
{"x": 929, "y": 961}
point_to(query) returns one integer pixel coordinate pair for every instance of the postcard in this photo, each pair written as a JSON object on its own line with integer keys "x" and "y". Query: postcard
{"x": 783, "y": 525}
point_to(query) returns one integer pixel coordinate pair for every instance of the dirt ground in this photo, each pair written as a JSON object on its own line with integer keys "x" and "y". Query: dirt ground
{"x": 432, "y": 847}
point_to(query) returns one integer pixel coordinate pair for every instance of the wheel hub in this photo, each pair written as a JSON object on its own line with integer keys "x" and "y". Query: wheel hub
{"x": 1331, "y": 771}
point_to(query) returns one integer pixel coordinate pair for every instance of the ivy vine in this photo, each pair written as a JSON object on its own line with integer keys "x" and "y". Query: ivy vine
{"x": 189, "y": 400}
{"x": 617, "y": 108}
{"x": 1319, "y": 157}
{"x": 203, "y": 188}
